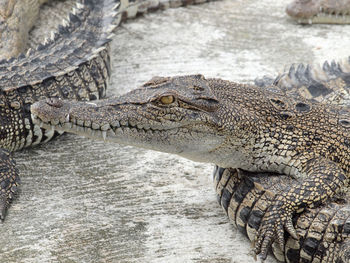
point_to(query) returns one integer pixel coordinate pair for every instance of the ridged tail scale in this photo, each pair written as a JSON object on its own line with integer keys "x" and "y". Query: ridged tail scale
{"x": 74, "y": 64}
{"x": 329, "y": 83}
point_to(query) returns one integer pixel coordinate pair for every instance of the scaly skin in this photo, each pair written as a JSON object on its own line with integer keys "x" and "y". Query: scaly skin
{"x": 11, "y": 187}
{"x": 320, "y": 11}
{"x": 329, "y": 83}
{"x": 324, "y": 233}
{"x": 72, "y": 64}
{"x": 245, "y": 198}
{"x": 231, "y": 125}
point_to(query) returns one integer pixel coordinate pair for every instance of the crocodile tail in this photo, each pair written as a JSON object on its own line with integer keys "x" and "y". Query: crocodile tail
{"x": 82, "y": 38}
{"x": 73, "y": 63}
{"x": 329, "y": 83}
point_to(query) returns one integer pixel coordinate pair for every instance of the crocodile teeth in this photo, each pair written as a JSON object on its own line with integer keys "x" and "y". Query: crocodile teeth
{"x": 87, "y": 124}
{"x": 111, "y": 133}
{"x": 104, "y": 135}
{"x": 67, "y": 125}
{"x": 54, "y": 122}
{"x": 95, "y": 126}
{"x": 123, "y": 123}
{"x": 80, "y": 122}
{"x": 115, "y": 124}
{"x": 105, "y": 127}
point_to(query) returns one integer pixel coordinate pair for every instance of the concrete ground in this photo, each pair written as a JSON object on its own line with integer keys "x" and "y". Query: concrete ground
{"x": 86, "y": 201}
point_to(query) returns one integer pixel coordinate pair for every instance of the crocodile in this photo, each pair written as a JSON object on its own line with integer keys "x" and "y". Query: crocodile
{"x": 320, "y": 11}
{"x": 324, "y": 231}
{"x": 244, "y": 196}
{"x": 230, "y": 125}
{"x": 125, "y": 14}
{"x": 73, "y": 63}
{"x": 67, "y": 65}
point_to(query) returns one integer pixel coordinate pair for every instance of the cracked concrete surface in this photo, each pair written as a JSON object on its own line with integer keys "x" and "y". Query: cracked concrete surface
{"x": 86, "y": 201}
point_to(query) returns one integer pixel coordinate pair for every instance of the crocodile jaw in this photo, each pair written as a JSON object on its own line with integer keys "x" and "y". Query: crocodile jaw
{"x": 122, "y": 128}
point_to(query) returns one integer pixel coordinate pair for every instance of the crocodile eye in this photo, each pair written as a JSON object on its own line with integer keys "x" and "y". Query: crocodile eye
{"x": 167, "y": 99}
{"x": 197, "y": 88}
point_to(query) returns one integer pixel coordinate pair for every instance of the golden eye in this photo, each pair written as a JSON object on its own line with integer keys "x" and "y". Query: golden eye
{"x": 167, "y": 99}
{"x": 197, "y": 88}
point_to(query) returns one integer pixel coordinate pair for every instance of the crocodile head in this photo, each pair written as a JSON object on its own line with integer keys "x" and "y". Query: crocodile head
{"x": 175, "y": 115}
{"x": 320, "y": 11}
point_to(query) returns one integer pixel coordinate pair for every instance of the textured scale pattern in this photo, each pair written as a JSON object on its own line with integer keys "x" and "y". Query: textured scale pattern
{"x": 324, "y": 231}
{"x": 73, "y": 63}
{"x": 329, "y": 83}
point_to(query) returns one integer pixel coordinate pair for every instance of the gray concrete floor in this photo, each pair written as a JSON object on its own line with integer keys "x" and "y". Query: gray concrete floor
{"x": 85, "y": 201}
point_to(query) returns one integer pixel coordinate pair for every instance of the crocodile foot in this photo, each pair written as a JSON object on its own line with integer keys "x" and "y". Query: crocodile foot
{"x": 9, "y": 181}
{"x": 277, "y": 218}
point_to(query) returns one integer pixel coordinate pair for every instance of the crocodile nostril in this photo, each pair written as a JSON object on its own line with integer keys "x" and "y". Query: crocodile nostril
{"x": 54, "y": 102}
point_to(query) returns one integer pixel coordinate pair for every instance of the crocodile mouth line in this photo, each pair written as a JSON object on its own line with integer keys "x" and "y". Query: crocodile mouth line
{"x": 108, "y": 131}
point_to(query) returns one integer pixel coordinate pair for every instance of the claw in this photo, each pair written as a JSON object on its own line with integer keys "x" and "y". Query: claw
{"x": 265, "y": 246}
{"x": 280, "y": 237}
{"x": 3, "y": 206}
{"x": 290, "y": 228}
{"x": 263, "y": 256}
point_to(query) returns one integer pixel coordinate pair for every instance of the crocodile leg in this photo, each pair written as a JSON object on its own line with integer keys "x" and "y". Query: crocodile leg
{"x": 323, "y": 231}
{"x": 324, "y": 178}
{"x": 70, "y": 64}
